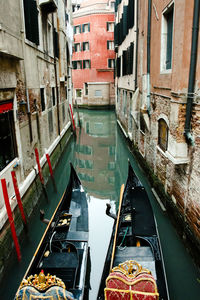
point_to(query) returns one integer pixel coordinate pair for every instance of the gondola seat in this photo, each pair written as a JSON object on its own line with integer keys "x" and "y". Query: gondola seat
{"x": 129, "y": 285}
{"x": 55, "y": 292}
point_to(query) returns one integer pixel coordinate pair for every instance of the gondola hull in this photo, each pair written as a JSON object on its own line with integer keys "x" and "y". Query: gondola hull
{"x": 134, "y": 240}
{"x": 63, "y": 250}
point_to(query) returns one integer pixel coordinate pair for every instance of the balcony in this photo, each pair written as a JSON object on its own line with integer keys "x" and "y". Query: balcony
{"x": 48, "y": 6}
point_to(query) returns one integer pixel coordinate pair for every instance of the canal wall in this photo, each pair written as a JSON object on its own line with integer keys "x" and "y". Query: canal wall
{"x": 183, "y": 229}
{"x": 29, "y": 200}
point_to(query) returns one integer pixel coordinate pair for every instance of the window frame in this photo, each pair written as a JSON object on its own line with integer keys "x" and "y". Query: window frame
{"x": 167, "y": 39}
{"x": 163, "y": 137}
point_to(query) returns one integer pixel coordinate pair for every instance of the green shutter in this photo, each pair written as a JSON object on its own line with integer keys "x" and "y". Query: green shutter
{"x": 89, "y": 27}
{"x": 107, "y": 44}
{"x": 107, "y": 26}
{"x": 83, "y": 64}
{"x": 83, "y": 27}
{"x": 80, "y": 28}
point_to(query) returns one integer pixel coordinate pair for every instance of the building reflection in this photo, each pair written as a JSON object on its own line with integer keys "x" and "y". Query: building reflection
{"x": 96, "y": 153}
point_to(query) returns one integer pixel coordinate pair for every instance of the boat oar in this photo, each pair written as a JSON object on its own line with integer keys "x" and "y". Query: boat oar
{"x": 116, "y": 227}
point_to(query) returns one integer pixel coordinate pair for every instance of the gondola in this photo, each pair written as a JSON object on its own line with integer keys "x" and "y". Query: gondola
{"x": 58, "y": 267}
{"x": 134, "y": 267}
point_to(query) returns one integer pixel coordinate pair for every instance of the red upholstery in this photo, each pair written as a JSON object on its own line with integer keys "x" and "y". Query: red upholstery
{"x": 120, "y": 286}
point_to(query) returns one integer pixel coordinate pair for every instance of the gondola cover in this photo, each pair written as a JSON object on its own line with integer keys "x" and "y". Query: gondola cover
{"x": 50, "y": 287}
{"x": 129, "y": 281}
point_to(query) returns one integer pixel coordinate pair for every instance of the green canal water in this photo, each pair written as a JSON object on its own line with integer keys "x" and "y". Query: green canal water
{"x": 100, "y": 156}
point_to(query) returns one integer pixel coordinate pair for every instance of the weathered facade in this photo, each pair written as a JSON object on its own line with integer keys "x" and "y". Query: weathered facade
{"x": 159, "y": 108}
{"x": 93, "y": 56}
{"x": 35, "y": 80}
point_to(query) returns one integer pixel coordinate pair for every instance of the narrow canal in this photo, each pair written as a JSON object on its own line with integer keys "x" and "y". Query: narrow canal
{"x": 100, "y": 157}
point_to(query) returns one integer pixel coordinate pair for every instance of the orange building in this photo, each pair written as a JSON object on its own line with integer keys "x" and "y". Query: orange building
{"x": 93, "y": 55}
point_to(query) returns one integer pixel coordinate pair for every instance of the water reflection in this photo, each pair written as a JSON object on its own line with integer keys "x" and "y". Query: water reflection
{"x": 95, "y": 153}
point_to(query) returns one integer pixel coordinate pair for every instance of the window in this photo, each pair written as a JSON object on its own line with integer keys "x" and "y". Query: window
{"x": 86, "y": 64}
{"x": 111, "y": 63}
{"x": 167, "y": 39}
{"x": 110, "y": 45}
{"x": 77, "y": 29}
{"x": 50, "y": 121}
{"x": 53, "y": 96}
{"x": 31, "y": 21}
{"x": 42, "y": 98}
{"x": 125, "y": 102}
{"x": 50, "y": 39}
{"x": 86, "y": 46}
{"x": 77, "y": 47}
{"x": 77, "y": 64}
{"x": 78, "y": 93}
{"x": 63, "y": 111}
{"x": 98, "y": 93}
{"x": 86, "y": 89}
{"x": 55, "y": 43}
{"x": 162, "y": 134}
{"x": 86, "y": 27}
{"x": 110, "y": 26}
{"x": 119, "y": 66}
{"x": 7, "y": 135}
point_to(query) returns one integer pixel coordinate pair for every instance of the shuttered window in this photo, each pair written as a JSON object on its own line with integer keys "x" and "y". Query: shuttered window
{"x": 119, "y": 66}
{"x": 86, "y": 27}
{"x": 169, "y": 19}
{"x": 31, "y": 21}
{"x": 55, "y": 43}
{"x": 85, "y": 46}
{"x": 42, "y": 98}
{"x": 86, "y": 64}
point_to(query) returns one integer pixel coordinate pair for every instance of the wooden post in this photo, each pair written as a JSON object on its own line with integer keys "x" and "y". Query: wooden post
{"x": 17, "y": 194}
{"x": 116, "y": 228}
{"x": 10, "y": 218}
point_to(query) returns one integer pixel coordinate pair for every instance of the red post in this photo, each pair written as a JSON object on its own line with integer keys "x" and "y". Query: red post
{"x": 39, "y": 167}
{"x": 49, "y": 163}
{"x": 10, "y": 217}
{"x": 17, "y": 194}
{"x": 72, "y": 117}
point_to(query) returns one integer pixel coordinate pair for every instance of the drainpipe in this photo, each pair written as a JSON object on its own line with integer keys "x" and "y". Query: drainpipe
{"x": 148, "y": 55}
{"x": 192, "y": 74}
{"x": 136, "y": 59}
{"x": 56, "y": 80}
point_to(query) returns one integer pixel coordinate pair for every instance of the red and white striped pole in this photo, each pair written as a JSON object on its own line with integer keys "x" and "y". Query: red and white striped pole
{"x": 72, "y": 117}
{"x": 10, "y": 218}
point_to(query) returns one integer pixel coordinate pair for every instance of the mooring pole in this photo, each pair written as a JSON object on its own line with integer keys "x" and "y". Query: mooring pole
{"x": 51, "y": 171}
{"x": 40, "y": 173}
{"x": 19, "y": 201}
{"x": 10, "y": 218}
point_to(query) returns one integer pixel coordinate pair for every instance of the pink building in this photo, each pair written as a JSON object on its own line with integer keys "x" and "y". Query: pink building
{"x": 93, "y": 55}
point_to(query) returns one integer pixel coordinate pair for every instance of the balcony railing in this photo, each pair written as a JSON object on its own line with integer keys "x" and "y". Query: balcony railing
{"x": 49, "y": 6}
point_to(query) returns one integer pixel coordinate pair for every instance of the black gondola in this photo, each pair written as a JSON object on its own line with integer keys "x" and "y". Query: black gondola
{"x": 134, "y": 254}
{"x": 58, "y": 267}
